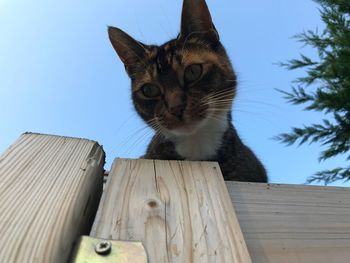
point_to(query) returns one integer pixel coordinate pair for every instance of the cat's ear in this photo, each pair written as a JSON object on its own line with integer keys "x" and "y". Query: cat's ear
{"x": 130, "y": 51}
{"x": 196, "y": 19}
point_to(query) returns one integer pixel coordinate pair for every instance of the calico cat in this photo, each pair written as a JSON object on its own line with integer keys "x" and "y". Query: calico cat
{"x": 184, "y": 90}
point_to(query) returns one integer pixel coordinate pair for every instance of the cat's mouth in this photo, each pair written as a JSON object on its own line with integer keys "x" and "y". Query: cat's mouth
{"x": 194, "y": 118}
{"x": 190, "y": 124}
{"x": 187, "y": 128}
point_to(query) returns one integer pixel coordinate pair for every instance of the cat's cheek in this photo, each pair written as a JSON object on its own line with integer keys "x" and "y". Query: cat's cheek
{"x": 146, "y": 109}
{"x": 169, "y": 121}
{"x": 195, "y": 110}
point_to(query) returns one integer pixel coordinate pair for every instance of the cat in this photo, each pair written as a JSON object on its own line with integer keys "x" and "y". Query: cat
{"x": 184, "y": 90}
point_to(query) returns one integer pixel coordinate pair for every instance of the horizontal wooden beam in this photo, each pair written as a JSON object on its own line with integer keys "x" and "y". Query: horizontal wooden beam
{"x": 181, "y": 211}
{"x": 293, "y": 223}
{"x": 50, "y": 187}
{"x": 49, "y": 190}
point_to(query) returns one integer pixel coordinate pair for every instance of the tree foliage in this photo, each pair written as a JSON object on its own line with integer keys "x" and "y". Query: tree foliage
{"x": 325, "y": 88}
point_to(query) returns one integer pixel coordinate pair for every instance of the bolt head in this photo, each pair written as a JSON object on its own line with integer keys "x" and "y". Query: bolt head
{"x": 103, "y": 247}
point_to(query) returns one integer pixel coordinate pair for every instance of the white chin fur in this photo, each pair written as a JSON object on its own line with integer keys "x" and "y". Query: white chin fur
{"x": 199, "y": 141}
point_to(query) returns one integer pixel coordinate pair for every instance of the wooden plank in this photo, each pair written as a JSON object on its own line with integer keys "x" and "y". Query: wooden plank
{"x": 293, "y": 223}
{"x": 181, "y": 211}
{"x": 49, "y": 190}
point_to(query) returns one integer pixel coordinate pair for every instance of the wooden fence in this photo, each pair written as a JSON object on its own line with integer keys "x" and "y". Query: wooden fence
{"x": 50, "y": 192}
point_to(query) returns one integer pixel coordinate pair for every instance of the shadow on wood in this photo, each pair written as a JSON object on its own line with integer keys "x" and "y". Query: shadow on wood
{"x": 293, "y": 223}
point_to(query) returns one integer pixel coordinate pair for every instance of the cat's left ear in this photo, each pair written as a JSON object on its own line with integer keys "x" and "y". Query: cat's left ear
{"x": 130, "y": 51}
{"x": 196, "y": 19}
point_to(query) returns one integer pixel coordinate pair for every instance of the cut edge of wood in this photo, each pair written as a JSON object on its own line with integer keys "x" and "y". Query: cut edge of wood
{"x": 278, "y": 185}
{"x": 81, "y": 202}
{"x": 61, "y": 136}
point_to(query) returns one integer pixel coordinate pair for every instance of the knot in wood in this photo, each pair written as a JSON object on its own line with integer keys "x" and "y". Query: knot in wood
{"x": 152, "y": 204}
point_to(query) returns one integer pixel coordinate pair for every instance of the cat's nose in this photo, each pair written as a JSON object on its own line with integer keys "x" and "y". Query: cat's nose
{"x": 177, "y": 110}
{"x": 175, "y": 102}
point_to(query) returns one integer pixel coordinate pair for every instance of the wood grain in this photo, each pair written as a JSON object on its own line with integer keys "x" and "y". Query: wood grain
{"x": 293, "y": 223}
{"x": 181, "y": 211}
{"x": 49, "y": 191}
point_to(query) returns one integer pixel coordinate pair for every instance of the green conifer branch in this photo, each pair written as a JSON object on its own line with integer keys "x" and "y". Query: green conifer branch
{"x": 324, "y": 88}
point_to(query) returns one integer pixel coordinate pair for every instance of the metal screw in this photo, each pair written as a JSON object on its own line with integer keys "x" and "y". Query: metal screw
{"x": 103, "y": 247}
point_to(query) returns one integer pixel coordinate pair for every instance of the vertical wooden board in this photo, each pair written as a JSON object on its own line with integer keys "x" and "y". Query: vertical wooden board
{"x": 49, "y": 191}
{"x": 132, "y": 209}
{"x": 293, "y": 223}
{"x": 181, "y": 211}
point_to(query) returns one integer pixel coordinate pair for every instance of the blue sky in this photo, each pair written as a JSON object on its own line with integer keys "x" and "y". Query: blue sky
{"x": 60, "y": 75}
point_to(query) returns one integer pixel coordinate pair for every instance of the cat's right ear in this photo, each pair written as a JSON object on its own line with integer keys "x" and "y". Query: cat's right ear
{"x": 196, "y": 20}
{"x": 130, "y": 51}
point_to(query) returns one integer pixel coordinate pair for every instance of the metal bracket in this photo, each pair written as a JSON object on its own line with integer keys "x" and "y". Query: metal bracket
{"x": 95, "y": 250}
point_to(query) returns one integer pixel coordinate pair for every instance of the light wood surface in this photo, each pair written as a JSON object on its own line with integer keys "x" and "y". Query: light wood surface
{"x": 293, "y": 223}
{"x": 49, "y": 191}
{"x": 181, "y": 211}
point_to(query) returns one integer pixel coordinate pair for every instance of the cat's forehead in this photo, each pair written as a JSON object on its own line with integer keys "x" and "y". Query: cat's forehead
{"x": 164, "y": 57}
{"x": 169, "y": 60}
{"x": 173, "y": 55}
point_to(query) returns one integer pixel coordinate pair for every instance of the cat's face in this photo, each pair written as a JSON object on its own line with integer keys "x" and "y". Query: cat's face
{"x": 181, "y": 85}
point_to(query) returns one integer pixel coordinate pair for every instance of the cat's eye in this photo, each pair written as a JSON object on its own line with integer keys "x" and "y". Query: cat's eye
{"x": 150, "y": 90}
{"x": 193, "y": 72}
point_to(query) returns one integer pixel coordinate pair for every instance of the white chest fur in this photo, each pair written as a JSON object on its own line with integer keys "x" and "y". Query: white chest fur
{"x": 204, "y": 143}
